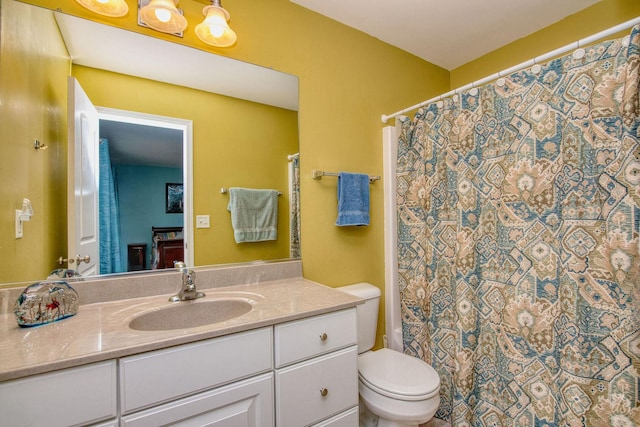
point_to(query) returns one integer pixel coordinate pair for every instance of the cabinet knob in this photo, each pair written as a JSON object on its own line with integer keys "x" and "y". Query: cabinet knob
{"x": 323, "y": 337}
{"x": 324, "y": 392}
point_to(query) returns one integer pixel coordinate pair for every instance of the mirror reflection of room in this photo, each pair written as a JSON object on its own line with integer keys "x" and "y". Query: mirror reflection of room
{"x": 141, "y": 169}
{"x": 235, "y": 143}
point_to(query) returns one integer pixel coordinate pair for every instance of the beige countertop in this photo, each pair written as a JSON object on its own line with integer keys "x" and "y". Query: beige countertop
{"x": 100, "y": 330}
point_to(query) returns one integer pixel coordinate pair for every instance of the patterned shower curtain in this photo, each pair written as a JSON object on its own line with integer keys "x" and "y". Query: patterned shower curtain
{"x": 518, "y": 223}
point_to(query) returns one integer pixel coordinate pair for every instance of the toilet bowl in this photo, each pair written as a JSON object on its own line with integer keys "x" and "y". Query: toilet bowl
{"x": 396, "y": 390}
{"x": 400, "y": 389}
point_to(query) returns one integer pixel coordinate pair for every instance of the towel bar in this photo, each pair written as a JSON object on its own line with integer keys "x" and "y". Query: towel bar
{"x": 224, "y": 190}
{"x": 318, "y": 174}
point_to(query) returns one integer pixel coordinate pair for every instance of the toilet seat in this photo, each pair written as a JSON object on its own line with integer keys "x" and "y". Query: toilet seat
{"x": 397, "y": 375}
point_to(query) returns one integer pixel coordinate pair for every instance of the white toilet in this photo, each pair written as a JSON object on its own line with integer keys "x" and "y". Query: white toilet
{"x": 399, "y": 390}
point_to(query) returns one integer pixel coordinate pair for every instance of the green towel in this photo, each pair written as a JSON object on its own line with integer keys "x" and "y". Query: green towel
{"x": 254, "y": 214}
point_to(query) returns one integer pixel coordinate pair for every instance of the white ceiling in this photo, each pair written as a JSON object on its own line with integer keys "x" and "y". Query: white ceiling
{"x": 142, "y": 145}
{"x": 448, "y": 33}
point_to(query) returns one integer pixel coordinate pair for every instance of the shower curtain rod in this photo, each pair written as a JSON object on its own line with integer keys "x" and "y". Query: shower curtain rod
{"x": 539, "y": 59}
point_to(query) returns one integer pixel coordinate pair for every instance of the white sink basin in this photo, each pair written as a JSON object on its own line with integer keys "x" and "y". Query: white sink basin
{"x": 190, "y": 314}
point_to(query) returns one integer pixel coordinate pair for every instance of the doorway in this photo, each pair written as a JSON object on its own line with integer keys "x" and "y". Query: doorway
{"x": 151, "y": 159}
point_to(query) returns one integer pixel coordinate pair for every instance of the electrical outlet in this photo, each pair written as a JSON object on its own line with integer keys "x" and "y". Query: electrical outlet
{"x": 202, "y": 221}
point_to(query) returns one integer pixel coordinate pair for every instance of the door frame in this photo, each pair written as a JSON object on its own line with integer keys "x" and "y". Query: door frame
{"x": 186, "y": 126}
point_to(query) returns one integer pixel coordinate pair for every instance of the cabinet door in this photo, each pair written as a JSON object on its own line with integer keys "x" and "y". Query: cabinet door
{"x": 247, "y": 403}
{"x": 112, "y": 423}
{"x": 350, "y": 418}
{"x": 317, "y": 389}
{"x": 74, "y": 396}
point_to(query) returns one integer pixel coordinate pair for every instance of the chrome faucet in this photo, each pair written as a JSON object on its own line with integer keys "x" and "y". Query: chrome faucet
{"x": 188, "y": 291}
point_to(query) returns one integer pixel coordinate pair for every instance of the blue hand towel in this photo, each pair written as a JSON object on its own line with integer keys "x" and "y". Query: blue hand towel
{"x": 254, "y": 214}
{"x": 353, "y": 199}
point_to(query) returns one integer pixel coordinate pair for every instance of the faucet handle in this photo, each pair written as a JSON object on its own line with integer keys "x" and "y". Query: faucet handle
{"x": 179, "y": 265}
{"x": 190, "y": 280}
{"x": 188, "y": 290}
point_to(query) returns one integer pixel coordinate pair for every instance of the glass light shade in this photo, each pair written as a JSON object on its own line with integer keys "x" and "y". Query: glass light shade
{"x": 214, "y": 30}
{"x": 113, "y": 8}
{"x": 163, "y": 16}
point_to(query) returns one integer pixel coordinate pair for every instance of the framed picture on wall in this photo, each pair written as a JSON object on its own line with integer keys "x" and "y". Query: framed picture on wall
{"x": 174, "y": 198}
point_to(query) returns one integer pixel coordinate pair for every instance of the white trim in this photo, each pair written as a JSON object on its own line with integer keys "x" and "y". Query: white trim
{"x": 186, "y": 126}
{"x": 393, "y": 320}
{"x": 537, "y": 60}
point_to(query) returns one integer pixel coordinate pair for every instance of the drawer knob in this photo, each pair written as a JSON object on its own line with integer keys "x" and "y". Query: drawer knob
{"x": 323, "y": 337}
{"x": 324, "y": 392}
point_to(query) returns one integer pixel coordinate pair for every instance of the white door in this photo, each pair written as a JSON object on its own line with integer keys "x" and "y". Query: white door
{"x": 82, "y": 218}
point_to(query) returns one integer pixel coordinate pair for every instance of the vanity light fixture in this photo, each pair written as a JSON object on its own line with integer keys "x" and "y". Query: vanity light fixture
{"x": 113, "y": 8}
{"x": 161, "y": 15}
{"x": 215, "y": 30}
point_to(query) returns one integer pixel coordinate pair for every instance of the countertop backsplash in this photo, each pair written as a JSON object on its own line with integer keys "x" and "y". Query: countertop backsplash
{"x": 160, "y": 282}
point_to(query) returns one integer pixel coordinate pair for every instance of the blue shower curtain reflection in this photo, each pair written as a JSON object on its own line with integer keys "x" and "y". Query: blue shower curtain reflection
{"x": 110, "y": 261}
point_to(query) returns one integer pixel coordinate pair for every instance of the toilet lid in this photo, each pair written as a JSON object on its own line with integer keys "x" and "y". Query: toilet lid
{"x": 398, "y": 375}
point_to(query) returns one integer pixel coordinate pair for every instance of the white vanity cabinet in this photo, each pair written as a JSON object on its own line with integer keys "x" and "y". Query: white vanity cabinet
{"x": 317, "y": 371}
{"x": 68, "y": 397}
{"x": 198, "y": 371}
{"x": 299, "y": 373}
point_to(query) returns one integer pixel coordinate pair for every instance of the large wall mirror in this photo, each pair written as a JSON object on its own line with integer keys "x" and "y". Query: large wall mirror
{"x": 243, "y": 133}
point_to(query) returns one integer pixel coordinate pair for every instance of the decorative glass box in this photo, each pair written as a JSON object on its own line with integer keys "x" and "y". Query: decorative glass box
{"x": 46, "y": 302}
{"x": 66, "y": 274}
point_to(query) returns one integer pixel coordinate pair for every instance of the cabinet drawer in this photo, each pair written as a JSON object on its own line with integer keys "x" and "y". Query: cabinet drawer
{"x": 162, "y": 375}
{"x": 299, "y": 396}
{"x": 243, "y": 404}
{"x": 306, "y": 338}
{"x": 70, "y": 397}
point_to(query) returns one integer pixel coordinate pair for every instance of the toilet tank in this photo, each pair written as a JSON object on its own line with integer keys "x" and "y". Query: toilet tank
{"x": 367, "y": 313}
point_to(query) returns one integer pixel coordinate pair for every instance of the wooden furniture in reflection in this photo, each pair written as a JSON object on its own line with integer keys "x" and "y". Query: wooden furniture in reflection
{"x": 170, "y": 251}
{"x": 168, "y": 246}
{"x": 137, "y": 256}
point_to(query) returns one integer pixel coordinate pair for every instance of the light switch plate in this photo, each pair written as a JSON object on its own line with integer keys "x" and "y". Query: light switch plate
{"x": 202, "y": 221}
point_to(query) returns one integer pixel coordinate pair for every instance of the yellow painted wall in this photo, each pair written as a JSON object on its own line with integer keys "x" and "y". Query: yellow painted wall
{"x": 32, "y": 107}
{"x": 599, "y": 17}
{"x": 347, "y": 81}
{"x": 236, "y": 143}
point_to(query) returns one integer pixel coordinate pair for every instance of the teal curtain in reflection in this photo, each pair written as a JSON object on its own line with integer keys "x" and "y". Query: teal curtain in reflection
{"x": 110, "y": 260}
